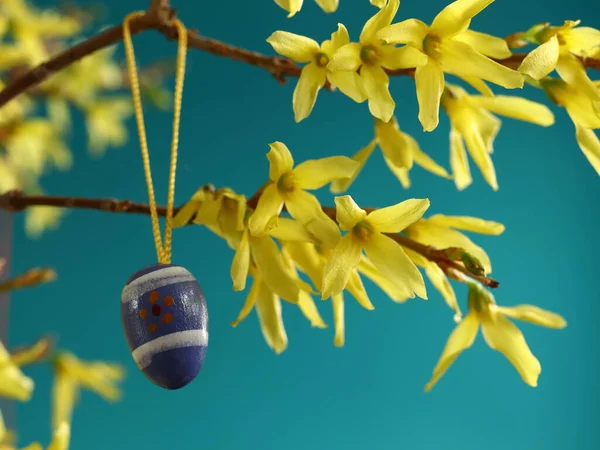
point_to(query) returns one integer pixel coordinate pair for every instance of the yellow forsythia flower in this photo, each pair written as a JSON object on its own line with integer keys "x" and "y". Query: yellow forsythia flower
{"x": 105, "y": 124}
{"x": 268, "y": 309}
{"x": 366, "y": 231}
{"x": 399, "y": 150}
{"x": 584, "y": 112}
{"x": 370, "y": 56}
{"x": 449, "y": 48}
{"x": 557, "y": 44}
{"x": 311, "y": 260}
{"x": 499, "y": 333}
{"x": 440, "y": 231}
{"x": 314, "y": 74}
{"x": 293, "y": 6}
{"x": 42, "y": 218}
{"x": 71, "y": 374}
{"x": 288, "y": 185}
{"x": 13, "y": 383}
{"x": 472, "y": 122}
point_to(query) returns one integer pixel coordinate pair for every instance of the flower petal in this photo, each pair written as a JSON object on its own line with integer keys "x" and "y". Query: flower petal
{"x": 410, "y": 32}
{"x": 337, "y": 302}
{"x": 356, "y": 287}
{"x": 541, "y": 61}
{"x": 456, "y": 16}
{"x": 460, "y": 339}
{"x": 440, "y": 281}
{"x": 312, "y": 79}
{"x": 389, "y": 258}
{"x": 466, "y": 223}
{"x": 316, "y": 173}
{"x": 339, "y": 38}
{"x": 306, "y": 209}
{"x": 395, "y": 145}
{"x": 65, "y": 393}
{"x": 250, "y": 301}
{"x": 266, "y": 215}
{"x": 347, "y": 212}
{"x": 305, "y": 257}
{"x": 399, "y": 294}
{"x": 396, "y": 218}
{"x": 572, "y": 70}
{"x": 328, "y": 6}
{"x": 188, "y": 211}
{"x": 339, "y": 265}
{"x": 271, "y": 267}
{"x": 380, "y": 20}
{"x": 479, "y": 152}
{"x": 516, "y": 108}
{"x": 60, "y": 438}
{"x": 405, "y": 57}
{"x": 361, "y": 157}
{"x": 307, "y": 305}
{"x": 479, "y": 85}
{"x": 535, "y": 315}
{"x": 347, "y": 58}
{"x": 440, "y": 236}
{"x": 268, "y": 309}
{"x": 461, "y": 59}
{"x": 349, "y": 84}
{"x": 486, "y": 44}
{"x": 401, "y": 174}
{"x": 378, "y": 3}
{"x": 582, "y": 41}
{"x": 502, "y": 335}
{"x": 241, "y": 263}
{"x": 589, "y": 145}
{"x": 298, "y": 48}
{"x": 290, "y": 230}
{"x": 429, "y": 81}
{"x": 280, "y": 160}
{"x": 458, "y": 161}
{"x": 376, "y": 83}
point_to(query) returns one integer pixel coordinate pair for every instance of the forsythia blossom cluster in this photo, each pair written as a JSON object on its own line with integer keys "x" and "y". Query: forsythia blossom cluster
{"x": 31, "y": 145}
{"x": 327, "y": 252}
{"x": 70, "y": 375}
{"x": 448, "y": 46}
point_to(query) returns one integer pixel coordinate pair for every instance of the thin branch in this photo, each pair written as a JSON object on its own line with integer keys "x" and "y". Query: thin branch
{"x": 17, "y": 201}
{"x": 159, "y": 18}
{"x": 32, "y": 277}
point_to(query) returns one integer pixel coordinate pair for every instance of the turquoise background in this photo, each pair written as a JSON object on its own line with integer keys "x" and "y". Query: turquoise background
{"x": 369, "y": 394}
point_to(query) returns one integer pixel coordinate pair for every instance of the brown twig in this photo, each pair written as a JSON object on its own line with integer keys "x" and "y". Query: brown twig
{"x": 32, "y": 277}
{"x": 159, "y": 17}
{"x": 17, "y": 201}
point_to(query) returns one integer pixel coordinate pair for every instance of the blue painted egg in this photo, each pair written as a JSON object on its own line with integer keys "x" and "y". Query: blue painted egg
{"x": 165, "y": 319}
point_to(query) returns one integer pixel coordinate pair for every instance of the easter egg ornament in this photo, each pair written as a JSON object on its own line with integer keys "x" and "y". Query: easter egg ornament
{"x": 163, "y": 309}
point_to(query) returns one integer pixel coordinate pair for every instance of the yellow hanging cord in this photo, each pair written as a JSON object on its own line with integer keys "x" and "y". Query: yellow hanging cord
{"x": 163, "y": 253}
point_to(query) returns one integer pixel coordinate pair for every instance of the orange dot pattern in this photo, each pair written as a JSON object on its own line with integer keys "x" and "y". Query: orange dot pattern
{"x": 165, "y": 318}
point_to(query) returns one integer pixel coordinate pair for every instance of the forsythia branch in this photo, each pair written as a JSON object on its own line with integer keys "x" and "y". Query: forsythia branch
{"x": 17, "y": 201}
{"x": 159, "y": 17}
{"x": 32, "y": 277}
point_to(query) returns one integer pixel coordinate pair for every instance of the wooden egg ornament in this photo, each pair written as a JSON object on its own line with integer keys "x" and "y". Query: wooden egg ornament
{"x": 165, "y": 320}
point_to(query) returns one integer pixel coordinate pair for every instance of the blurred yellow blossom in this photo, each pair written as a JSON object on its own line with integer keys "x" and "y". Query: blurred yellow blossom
{"x": 371, "y": 57}
{"x": 472, "y": 122}
{"x": 13, "y": 383}
{"x": 440, "y": 231}
{"x": 499, "y": 333}
{"x": 584, "y": 112}
{"x": 448, "y": 48}
{"x": 105, "y": 123}
{"x": 293, "y": 6}
{"x": 60, "y": 438}
{"x": 314, "y": 74}
{"x": 366, "y": 231}
{"x": 72, "y": 373}
{"x": 288, "y": 186}
{"x": 399, "y": 150}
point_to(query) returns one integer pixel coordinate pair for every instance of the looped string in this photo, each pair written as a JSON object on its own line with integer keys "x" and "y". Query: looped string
{"x": 163, "y": 252}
